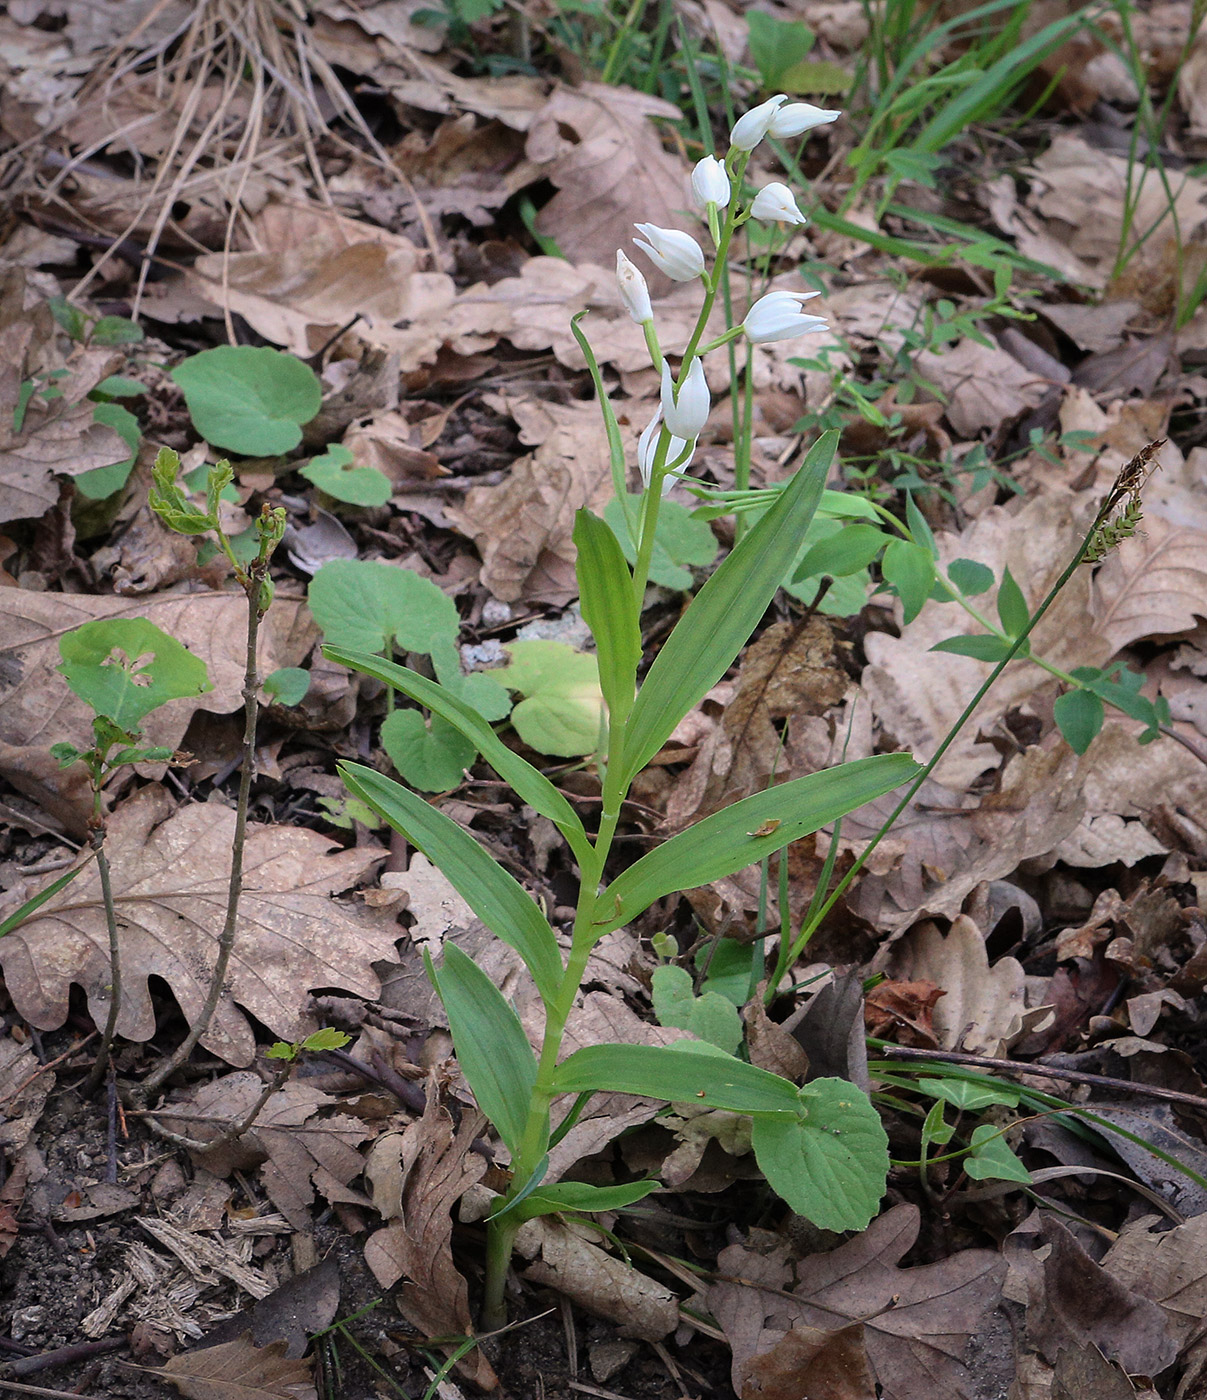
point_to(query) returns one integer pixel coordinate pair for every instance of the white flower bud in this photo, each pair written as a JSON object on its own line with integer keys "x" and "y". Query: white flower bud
{"x": 710, "y": 184}
{"x": 797, "y": 118}
{"x": 686, "y": 417}
{"x": 750, "y": 128}
{"x": 646, "y": 446}
{"x": 633, "y": 291}
{"x": 774, "y": 204}
{"x": 677, "y": 254}
{"x": 778, "y": 316}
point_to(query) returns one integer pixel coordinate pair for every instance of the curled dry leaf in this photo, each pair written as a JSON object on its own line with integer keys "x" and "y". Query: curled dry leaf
{"x": 239, "y": 1370}
{"x": 917, "y": 1322}
{"x": 170, "y": 873}
{"x": 37, "y": 709}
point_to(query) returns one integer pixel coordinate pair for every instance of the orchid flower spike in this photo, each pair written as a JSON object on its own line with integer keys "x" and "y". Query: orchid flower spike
{"x": 633, "y": 290}
{"x": 710, "y": 184}
{"x": 752, "y": 126}
{"x": 778, "y": 316}
{"x": 646, "y": 445}
{"x": 687, "y": 416}
{"x": 774, "y": 204}
{"x": 677, "y": 254}
{"x": 797, "y": 118}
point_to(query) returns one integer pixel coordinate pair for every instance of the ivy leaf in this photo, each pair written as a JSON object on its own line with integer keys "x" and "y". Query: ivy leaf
{"x": 335, "y": 473}
{"x": 250, "y": 399}
{"x": 992, "y": 1158}
{"x": 563, "y": 704}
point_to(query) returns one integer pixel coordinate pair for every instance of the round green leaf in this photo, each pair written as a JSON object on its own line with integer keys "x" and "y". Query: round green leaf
{"x": 104, "y": 481}
{"x": 432, "y": 759}
{"x": 366, "y": 605}
{"x": 970, "y": 577}
{"x": 249, "y": 399}
{"x": 682, "y": 542}
{"x": 563, "y": 704}
{"x": 125, "y": 667}
{"x": 288, "y": 686}
{"x": 709, "y": 1016}
{"x": 1079, "y": 715}
{"x": 336, "y": 473}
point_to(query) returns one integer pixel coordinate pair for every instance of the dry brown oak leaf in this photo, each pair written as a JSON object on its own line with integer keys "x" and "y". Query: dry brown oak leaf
{"x": 917, "y": 1322}
{"x": 37, "y": 709}
{"x": 239, "y": 1370}
{"x": 170, "y": 872}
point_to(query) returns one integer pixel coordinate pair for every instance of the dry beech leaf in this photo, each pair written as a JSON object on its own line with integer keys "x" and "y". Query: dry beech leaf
{"x": 37, "y": 709}
{"x": 170, "y": 873}
{"x": 807, "y": 1361}
{"x": 597, "y": 1281}
{"x": 239, "y": 1370}
{"x": 984, "y": 1010}
{"x": 418, "y": 1176}
{"x": 984, "y": 385}
{"x": 917, "y": 1321}
{"x": 1152, "y": 585}
{"x": 601, "y": 149}
{"x": 918, "y": 695}
{"x": 523, "y": 527}
{"x": 298, "y": 1149}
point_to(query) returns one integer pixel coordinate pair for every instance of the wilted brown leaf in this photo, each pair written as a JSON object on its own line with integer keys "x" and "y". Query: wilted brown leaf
{"x": 1152, "y": 585}
{"x": 418, "y": 1176}
{"x": 917, "y": 1321}
{"x": 37, "y": 709}
{"x": 239, "y": 1371}
{"x": 170, "y": 874}
{"x": 1167, "y": 1266}
{"x": 807, "y": 1361}
{"x": 984, "y": 385}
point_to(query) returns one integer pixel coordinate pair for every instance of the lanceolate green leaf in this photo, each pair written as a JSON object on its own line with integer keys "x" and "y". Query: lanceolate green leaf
{"x": 583, "y": 1197}
{"x": 830, "y": 1164}
{"x": 605, "y": 586}
{"x": 492, "y": 1049}
{"x": 725, "y": 612}
{"x": 747, "y": 831}
{"x": 687, "y": 1072}
{"x": 486, "y": 887}
{"x": 528, "y": 782}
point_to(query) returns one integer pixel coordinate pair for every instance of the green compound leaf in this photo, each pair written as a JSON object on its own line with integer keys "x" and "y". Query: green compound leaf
{"x": 529, "y": 783}
{"x": 982, "y": 648}
{"x": 846, "y": 551}
{"x": 831, "y": 1165}
{"x": 288, "y": 685}
{"x": 1079, "y": 715}
{"x": 492, "y": 1049}
{"x": 689, "y": 1071}
{"x": 970, "y": 577}
{"x": 335, "y": 473}
{"x": 992, "y": 1158}
{"x": 1012, "y": 609}
{"x": 104, "y": 481}
{"x": 725, "y": 612}
{"x": 366, "y": 605}
{"x": 125, "y": 667}
{"x": 581, "y": 1197}
{"x": 502, "y": 904}
{"x": 742, "y": 834}
{"x": 605, "y": 586}
{"x": 433, "y": 759}
{"x": 562, "y": 709}
{"x": 910, "y": 568}
{"x": 708, "y": 1016}
{"x": 250, "y": 399}
{"x": 682, "y": 541}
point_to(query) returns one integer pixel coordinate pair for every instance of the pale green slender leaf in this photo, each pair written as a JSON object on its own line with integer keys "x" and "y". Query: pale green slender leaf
{"x": 725, "y": 612}
{"x": 581, "y": 1196}
{"x": 501, "y": 903}
{"x": 746, "y": 832}
{"x": 605, "y": 586}
{"x": 830, "y": 1165}
{"x": 687, "y": 1072}
{"x": 36, "y": 901}
{"x": 528, "y": 782}
{"x": 492, "y": 1049}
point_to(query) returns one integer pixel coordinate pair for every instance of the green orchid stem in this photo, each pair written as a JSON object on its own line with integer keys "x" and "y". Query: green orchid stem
{"x": 97, "y": 841}
{"x": 812, "y": 925}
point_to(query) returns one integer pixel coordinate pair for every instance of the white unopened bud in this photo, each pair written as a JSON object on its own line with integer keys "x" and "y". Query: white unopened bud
{"x": 633, "y": 291}
{"x": 797, "y": 118}
{"x": 710, "y": 184}
{"x": 774, "y": 204}
{"x": 676, "y": 448}
{"x": 675, "y": 253}
{"x": 687, "y": 415}
{"x": 778, "y": 316}
{"x": 750, "y": 128}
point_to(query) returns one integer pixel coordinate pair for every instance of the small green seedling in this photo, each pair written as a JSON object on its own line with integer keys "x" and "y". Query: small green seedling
{"x": 317, "y": 1041}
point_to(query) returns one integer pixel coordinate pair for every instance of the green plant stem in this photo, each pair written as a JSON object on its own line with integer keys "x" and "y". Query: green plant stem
{"x": 93, "y": 1082}
{"x": 254, "y": 588}
{"x": 812, "y": 925}
{"x": 629, "y": 23}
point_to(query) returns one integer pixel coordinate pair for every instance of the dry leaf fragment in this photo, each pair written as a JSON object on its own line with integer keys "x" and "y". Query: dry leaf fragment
{"x": 984, "y": 385}
{"x": 239, "y": 1371}
{"x": 1152, "y": 585}
{"x": 808, "y": 1361}
{"x": 1168, "y": 1266}
{"x": 170, "y": 873}
{"x": 917, "y": 1322}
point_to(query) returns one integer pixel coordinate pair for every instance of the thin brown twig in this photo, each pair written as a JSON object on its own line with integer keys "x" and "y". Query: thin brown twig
{"x": 1042, "y": 1071}
{"x": 49, "y": 1065}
